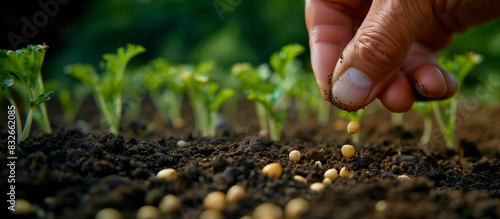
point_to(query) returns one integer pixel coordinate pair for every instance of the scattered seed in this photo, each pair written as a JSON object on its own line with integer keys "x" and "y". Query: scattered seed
{"x": 23, "y": 207}
{"x": 318, "y": 164}
{"x": 352, "y": 127}
{"x": 300, "y": 179}
{"x": 148, "y": 212}
{"x": 181, "y": 143}
{"x": 211, "y": 214}
{"x": 294, "y": 155}
{"x": 235, "y": 194}
{"x": 246, "y": 217}
{"x": 403, "y": 178}
{"x": 380, "y": 205}
{"x": 273, "y": 170}
{"x": 348, "y": 151}
{"x": 169, "y": 204}
{"x": 215, "y": 201}
{"x": 267, "y": 211}
{"x": 327, "y": 181}
{"x": 296, "y": 207}
{"x": 317, "y": 186}
{"x": 346, "y": 172}
{"x": 108, "y": 213}
{"x": 339, "y": 125}
{"x": 331, "y": 174}
{"x": 168, "y": 174}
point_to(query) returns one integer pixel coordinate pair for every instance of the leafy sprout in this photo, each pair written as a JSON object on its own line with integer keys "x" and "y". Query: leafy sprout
{"x": 107, "y": 87}
{"x": 24, "y": 66}
{"x": 425, "y": 110}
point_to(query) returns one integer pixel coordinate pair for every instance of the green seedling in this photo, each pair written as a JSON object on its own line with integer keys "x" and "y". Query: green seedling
{"x": 446, "y": 111}
{"x": 24, "y": 66}
{"x": 107, "y": 87}
{"x": 166, "y": 89}
{"x": 308, "y": 97}
{"x": 425, "y": 110}
{"x": 70, "y": 99}
{"x": 205, "y": 96}
{"x": 354, "y": 116}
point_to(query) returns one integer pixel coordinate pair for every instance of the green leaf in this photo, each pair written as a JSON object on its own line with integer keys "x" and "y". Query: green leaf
{"x": 44, "y": 97}
{"x": 218, "y": 100}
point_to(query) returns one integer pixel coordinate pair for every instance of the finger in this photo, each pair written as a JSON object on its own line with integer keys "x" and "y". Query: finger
{"x": 398, "y": 96}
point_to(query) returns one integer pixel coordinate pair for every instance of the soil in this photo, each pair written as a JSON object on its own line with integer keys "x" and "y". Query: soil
{"x": 77, "y": 170}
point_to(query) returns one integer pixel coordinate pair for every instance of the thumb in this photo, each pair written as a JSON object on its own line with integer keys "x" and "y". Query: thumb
{"x": 373, "y": 57}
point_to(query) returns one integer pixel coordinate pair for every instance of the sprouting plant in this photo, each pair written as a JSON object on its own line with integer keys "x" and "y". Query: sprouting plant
{"x": 205, "y": 96}
{"x": 425, "y": 110}
{"x": 166, "y": 89}
{"x": 307, "y": 93}
{"x": 24, "y": 66}
{"x": 70, "y": 98}
{"x": 107, "y": 87}
{"x": 446, "y": 111}
{"x": 353, "y": 116}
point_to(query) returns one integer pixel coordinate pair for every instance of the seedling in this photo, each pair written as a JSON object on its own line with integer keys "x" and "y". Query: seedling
{"x": 107, "y": 87}
{"x": 425, "y": 110}
{"x": 446, "y": 111}
{"x": 24, "y": 66}
{"x": 70, "y": 99}
{"x": 206, "y": 97}
{"x": 307, "y": 93}
{"x": 356, "y": 117}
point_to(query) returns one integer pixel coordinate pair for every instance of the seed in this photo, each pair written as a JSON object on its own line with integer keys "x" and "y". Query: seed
{"x": 23, "y": 207}
{"x": 168, "y": 174}
{"x": 352, "y": 127}
{"x": 178, "y": 123}
{"x": 346, "y": 172}
{"x": 273, "y": 170}
{"x": 380, "y": 205}
{"x": 108, "y": 213}
{"x": 215, "y": 201}
{"x": 211, "y": 214}
{"x": 296, "y": 207}
{"x": 294, "y": 155}
{"x": 246, "y": 217}
{"x": 327, "y": 181}
{"x": 235, "y": 194}
{"x": 264, "y": 133}
{"x": 317, "y": 186}
{"x": 300, "y": 179}
{"x": 169, "y": 204}
{"x": 348, "y": 151}
{"x": 318, "y": 164}
{"x": 181, "y": 143}
{"x": 403, "y": 178}
{"x": 148, "y": 212}
{"x": 267, "y": 211}
{"x": 331, "y": 174}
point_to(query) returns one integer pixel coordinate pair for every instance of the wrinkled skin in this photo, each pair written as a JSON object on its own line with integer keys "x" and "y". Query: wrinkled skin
{"x": 395, "y": 43}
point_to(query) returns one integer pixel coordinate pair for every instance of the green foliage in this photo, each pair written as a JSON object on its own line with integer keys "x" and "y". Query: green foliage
{"x": 70, "y": 98}
{"x": 425, "y": 110}
{"x": 107, "y": 87}
{"x": 24, "y": 66}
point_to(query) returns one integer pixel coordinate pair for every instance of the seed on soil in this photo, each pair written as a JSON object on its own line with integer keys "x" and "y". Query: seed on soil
{"x": 148, "y": 212}
{"x": 352, "y": 127}
{"x": 211, "y": 214}
{"x": 181, "y": 143}
{"x": 331, "y": 174}
{"x": 317, "y": 186}
{"x": 380, "y": 205}
{"x": 235, "y": 194}
{"x": 215, "y": 201}
{"x": 167, "y": 174}
{"x": 318, "y": 164}
{"x": 300, "y": 179}
{"x": 294, "y": 155}
{"x": 178, "y": 123}
{"x": 23, "y": 207}
{"x": 348, "y": 151}
{"x": 327, "y": 181}
{"x": 346, "y": 172}
{"x": 169, "y": 204}
{"x": 264, "y": 133}
{"x": 296, "y": 207}
{"x": 267, "y": 211}
{"x": 108, "y": 213}
{"x": 403, "y": 178}
{"x": 273, "y": 170}
{"x": 339, "y": 125}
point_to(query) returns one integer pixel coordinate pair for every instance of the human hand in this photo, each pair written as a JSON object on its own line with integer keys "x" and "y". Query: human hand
{"x": 387, "y": 48}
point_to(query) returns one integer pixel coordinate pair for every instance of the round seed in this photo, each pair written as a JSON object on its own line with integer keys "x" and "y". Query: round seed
{"x": 346, "y": 172}
{"x": 178, "y": 123}
{"x": 235, "y": 194}
{"x": 215, "y": 201}
{"x": 273, "y": 170}
{"x": 264, "y": 133}
{"x": 294, "y": 155}
{"x": 296, "y": 207}
{"x": 23, "y": 207}
{"x": 300, "y": 179}
{"x": 317, "y": 186}
{"x": 348, "y": 151}
{"x": 327, "y": 181}
{"x": 169, "y": 204}
{"x": 181, "y": 143}
{"x": 403, "y": 178}
{"x": 148, "y": 212}
{"x": 352, "y": 127}
{"x": 331, "y": 174}
{"x": 108, "y": 213}
{"x": 380, "y": 205}
{"x": 267, "y": 211}
{"x": 211, "y": 214}
{"x": 318, "y": 164}
{"x": 168, "y": 174}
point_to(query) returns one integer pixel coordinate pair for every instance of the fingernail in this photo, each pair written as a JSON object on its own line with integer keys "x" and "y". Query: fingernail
{"x": 420, "y": 88}
{"x": 352, "y": 88}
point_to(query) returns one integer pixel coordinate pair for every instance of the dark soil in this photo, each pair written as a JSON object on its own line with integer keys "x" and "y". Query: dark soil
{"x": 74, "y": 173}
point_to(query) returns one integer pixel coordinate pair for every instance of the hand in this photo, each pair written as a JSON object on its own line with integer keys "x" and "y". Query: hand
{"x": 361, "y": 50}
